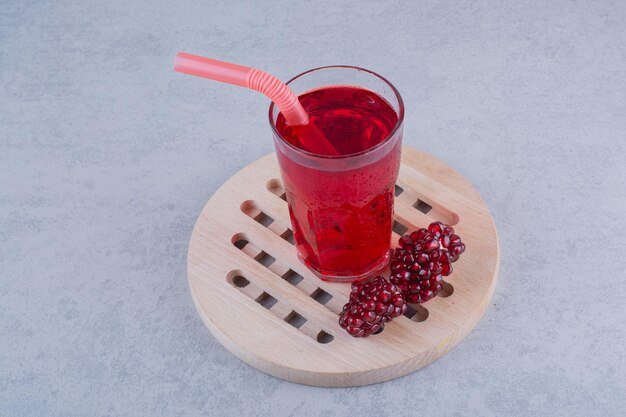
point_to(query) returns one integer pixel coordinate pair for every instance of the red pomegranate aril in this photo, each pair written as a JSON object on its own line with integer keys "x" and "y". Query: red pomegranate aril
{"x": 446, "y": 269}
{"x": 457, "y": 250}
{"x": 355, "y": 322}
{"x": 427, "y": 295}
{"x": 402, "y": 275}
{"x": 430, "y": 245}
{"x": 413, "y": 298}
{"x": 435, "y": 280}
{"x": 435, "y": 228}
{"x": 369, "y": 316}
{"x": 397, "y": 300}
{"x": 418, "y": 235}
{"x": 405, "y": 242}
{"x": 435, "y": 268}
{"x": 423, "y": 259}
{"x": 380, "y": 309}
{"x": 396, "y": 265}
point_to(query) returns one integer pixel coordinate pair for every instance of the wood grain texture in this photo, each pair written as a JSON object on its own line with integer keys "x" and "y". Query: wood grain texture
{"x": 265, "y": 307}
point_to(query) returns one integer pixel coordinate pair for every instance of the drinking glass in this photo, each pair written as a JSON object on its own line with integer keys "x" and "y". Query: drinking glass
{"x": 341, "y": 207}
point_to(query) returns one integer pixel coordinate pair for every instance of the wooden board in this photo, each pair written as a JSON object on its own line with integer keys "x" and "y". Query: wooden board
{"x": 269, "y": 310}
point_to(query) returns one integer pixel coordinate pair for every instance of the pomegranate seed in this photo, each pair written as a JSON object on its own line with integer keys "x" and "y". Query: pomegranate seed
{"x": 435, "y": 268}
{"x": 431, "y": 245}
{"x": 422, "y": 259}
{"x": 418, "y": 235}
{"x": 405, "y": 242}
{"x": 423, "y": 274}
{"x": 435, "y": 228}
{"x": 447, "y": 230}
{"x": 413, "y": 298}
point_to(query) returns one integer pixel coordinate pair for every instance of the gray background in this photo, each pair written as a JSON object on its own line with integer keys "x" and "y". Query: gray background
{"x": 107, "y": 157}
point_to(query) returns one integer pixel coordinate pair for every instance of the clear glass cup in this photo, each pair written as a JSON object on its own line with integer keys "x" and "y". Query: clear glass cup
{"x": 341, "y": 207}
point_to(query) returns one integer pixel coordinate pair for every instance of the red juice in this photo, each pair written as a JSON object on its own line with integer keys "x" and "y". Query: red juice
{"x": 341, "y": 206}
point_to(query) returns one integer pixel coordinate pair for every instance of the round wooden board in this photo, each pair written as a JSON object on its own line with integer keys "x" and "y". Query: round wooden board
{"x": 265, "y": 307}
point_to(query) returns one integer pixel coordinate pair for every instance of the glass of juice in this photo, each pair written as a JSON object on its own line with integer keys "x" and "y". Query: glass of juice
{"x": 341, "y": 203}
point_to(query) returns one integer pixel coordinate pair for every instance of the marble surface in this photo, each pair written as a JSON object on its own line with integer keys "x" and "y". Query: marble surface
{"x": 107, "y": 157}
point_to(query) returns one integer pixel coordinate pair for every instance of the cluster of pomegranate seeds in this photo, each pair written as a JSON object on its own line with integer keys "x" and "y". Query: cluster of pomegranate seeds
{"x": 417, "y": 269}
{"x": 371, "y": 305}
{"x": 423, "y": 259}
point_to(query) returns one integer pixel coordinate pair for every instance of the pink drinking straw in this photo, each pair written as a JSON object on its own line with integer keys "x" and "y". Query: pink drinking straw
{"x": 254, "y": 79}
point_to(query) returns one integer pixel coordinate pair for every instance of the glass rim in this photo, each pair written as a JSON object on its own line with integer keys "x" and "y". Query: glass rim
{"x": 391, "y": 134}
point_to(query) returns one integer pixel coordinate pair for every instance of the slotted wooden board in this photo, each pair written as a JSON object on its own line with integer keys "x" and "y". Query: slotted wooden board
{"x": 269, "y": 310}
